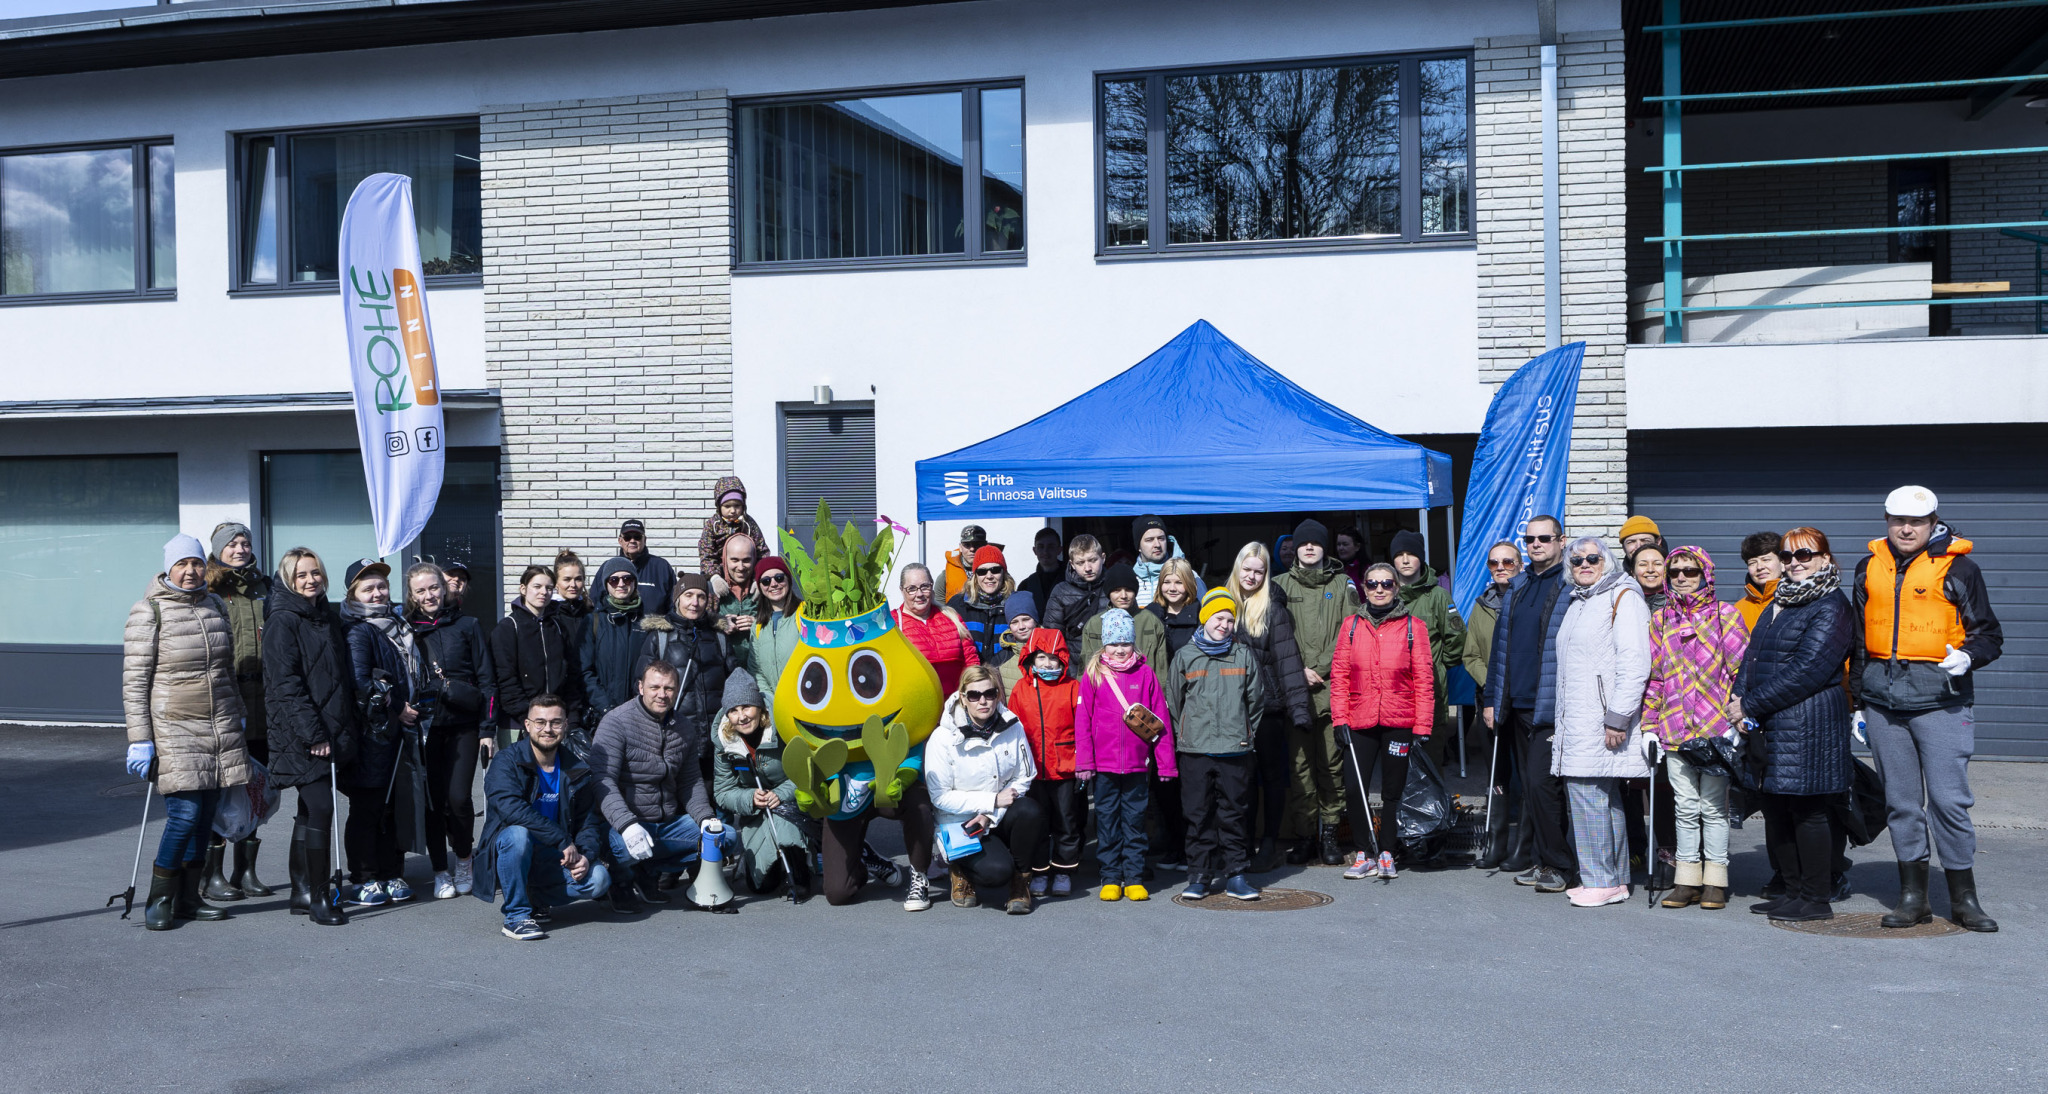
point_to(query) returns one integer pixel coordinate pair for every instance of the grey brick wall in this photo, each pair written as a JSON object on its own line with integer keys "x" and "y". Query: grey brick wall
{"x": 608, "y": 318}
{"x": 1842, "y": 195}
{"x": 1985, "y": 190}
{"x": 1509, "y": 180}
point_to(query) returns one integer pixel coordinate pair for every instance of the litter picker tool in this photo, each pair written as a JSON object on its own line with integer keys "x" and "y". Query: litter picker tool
{"x": 754, "y": 769}
{"x": 128, "y": 898}
{"x": 1358, "y": 772}
{"x": 334, "y": 835}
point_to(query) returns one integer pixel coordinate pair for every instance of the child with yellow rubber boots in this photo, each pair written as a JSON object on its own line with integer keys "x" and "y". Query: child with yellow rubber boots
{"x": 1112, "y": 754}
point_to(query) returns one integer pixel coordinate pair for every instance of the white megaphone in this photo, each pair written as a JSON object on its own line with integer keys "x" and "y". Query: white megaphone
{"x": 709, "y": 891}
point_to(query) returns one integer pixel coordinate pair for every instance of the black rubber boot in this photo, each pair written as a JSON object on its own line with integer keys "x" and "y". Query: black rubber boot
{"x": 1963, "y": 908}
{"x": 1326, "y": 840}
{"x": 1521, "y": 849}
{"x": 312, "y": 863}
{"x": 1268, "y": 856}
{"x": 245, "y": 869}
{"x": 158, "y": 911}
{"x": 302, "y": 890}
{"x": 188, "y": 904}
{"x": 1301, "y": 852}
{"x": 1493, "y": 848}
{"x": 1912, "y": 910}
{"x": 217, "y": 885}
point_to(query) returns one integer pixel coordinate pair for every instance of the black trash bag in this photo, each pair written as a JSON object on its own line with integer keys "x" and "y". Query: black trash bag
{"x": 1861, "y": 810}
{"x": 1425, "y": 817}
{"x": 1728, "y": 756}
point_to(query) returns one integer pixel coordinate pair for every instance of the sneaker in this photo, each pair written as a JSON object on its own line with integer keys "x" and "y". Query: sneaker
{"x": 543, "y": 914}
{"x": 1549, "y": 881}
{"x": 1114, "y": 892}
{"x": 881, "y": 871}
{"x": 1039, "y": 883}
{"x": 1529, "y": 876}
{"x": 919, "y": 897}
{"x": 1801, "y": 911}
{"x": 1361, "y": 867}
{"x": 444, "y": 886}
{"x": 1062, "y": 885}
{"x": 398, "y": 889}
{"x": 464, "y": 876}
{"x": 526, "y": 930}
{"x": 1197, "y": 887}
{"x": 1386, "y": 865}
{"x": 369, "y": 894}
{"x": 1136, "y": 892}
{"x": 1238, "y": 887}
{"x": 1588, "y": 897}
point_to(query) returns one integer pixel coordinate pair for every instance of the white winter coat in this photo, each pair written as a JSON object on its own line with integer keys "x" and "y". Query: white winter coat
{"x": 964, "y": 775}
{"x": 1603, "y": 653}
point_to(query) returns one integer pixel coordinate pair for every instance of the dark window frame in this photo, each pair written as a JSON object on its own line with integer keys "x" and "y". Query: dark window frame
{"x": 139, "y": 185}
{"x": 971, "y": 200}
{"x": 238, "y": 279}
{"x": 1411, "y": 236}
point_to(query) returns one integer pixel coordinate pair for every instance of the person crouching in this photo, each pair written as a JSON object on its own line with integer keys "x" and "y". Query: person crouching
{"x": 542, "y": 831}
{"x": 1216, "y": 698}
{"x": 978, "y": 766}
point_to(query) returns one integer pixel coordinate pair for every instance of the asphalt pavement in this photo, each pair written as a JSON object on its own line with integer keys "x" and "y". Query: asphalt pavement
{"x": 1448, "y": 980}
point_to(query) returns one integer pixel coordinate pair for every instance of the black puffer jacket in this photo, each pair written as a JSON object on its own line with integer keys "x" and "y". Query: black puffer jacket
{"x": 648, "y": 769}
{"x": 1791, "y": 684}
{"x": 531, "y": 656}
{"x": 456, "y": 652}
{"x": 1280, "y": 667}
{"x": 574, "y": 616}
{"x": 309, "y": 693}
{"x": 1182, "y": 625}
{"x": 700, "y": 653}
{"x": 610, "y": 646}
{"x": 1072, "y": 604}
{"x": 370, "y": 651}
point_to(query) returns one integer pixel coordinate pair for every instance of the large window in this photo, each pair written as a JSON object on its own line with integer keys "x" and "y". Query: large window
{"x": 88, "y": 223}
{"x": 81, "y": 536}
{"x": 915, "y": 177}
{"x": 292, "y": 188}
{"x": 1340, "y": 153}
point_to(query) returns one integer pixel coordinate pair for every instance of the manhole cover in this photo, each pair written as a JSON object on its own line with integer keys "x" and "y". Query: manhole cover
{"x": 131, "y": 789}
{"x": 1270, "y": 900}
{"x": 1868, "y": 925}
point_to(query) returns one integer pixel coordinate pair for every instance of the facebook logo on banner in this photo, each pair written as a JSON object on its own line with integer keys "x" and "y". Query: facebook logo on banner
{"x": 1518, "y": 471}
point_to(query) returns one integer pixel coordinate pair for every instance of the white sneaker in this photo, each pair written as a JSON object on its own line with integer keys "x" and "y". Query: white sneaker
{"x": 920, "y": 896}
{"x": 464, "y": 877}
{"x": 1038, "y": 884}
{"x": 1062, "y": 885}
{"x": 444, "y": 886}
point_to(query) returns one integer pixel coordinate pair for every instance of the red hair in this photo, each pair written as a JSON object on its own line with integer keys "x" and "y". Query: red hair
{"x": 1809, "y": 538}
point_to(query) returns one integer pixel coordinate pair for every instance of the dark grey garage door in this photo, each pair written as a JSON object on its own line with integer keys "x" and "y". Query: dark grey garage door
{"x": 1712, "y": 487}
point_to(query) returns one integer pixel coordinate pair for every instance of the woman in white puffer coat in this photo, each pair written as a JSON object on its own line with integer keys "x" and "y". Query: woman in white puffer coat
{"x": 978, "y": 767}
{"x": 1603, "y": 664}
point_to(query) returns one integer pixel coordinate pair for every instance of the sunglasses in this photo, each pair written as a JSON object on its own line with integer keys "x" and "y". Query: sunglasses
{"x": 622, "y": 579}
{"x": 1686, "y": 571}
{"x": 1539, "y": 539}
{"x": 1801, "y": 555}
{"x": 989, "y": 571}
{"x": 775, "y": 577}
{"x": 1379, "y": 583}
{"x": 1501, "y": 563}
{"x": 981, "y": 696}
{"x": 1584, "y": 560}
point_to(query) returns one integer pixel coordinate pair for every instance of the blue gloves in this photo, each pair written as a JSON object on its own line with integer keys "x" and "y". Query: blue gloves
{"x": 139, "y": 755}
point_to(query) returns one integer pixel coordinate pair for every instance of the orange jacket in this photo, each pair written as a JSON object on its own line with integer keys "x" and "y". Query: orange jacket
{"x": 1753, "y": 603}
{"x": 1915, "y": 613}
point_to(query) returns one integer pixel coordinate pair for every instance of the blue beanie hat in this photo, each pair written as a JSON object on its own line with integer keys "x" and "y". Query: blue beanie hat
{"x": 1118, "y": 629}
{"x": 182, "y": 547}
{"x": 1020, "y": 604}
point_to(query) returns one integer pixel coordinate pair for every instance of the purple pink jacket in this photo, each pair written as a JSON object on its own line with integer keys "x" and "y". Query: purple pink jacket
{"x": 1102, "y": 743}
{"x": 1696, "y": 648}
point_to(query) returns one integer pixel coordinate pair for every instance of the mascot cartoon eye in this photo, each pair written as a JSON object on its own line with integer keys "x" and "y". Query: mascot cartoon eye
{"x": 866, "y": 674}
{"x": 814, "y": 686}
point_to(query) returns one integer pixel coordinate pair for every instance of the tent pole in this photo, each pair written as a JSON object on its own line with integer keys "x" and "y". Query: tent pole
{"x": 920, "y": 543}
{"x": 1422, "y": 517}
{"x": 1451, "y": 541}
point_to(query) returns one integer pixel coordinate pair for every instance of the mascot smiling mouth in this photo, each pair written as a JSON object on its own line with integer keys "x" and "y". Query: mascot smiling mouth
{"x": 843, "y": 732}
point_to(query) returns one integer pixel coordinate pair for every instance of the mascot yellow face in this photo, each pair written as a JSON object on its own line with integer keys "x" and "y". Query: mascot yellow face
{"x": 845, "y": 671}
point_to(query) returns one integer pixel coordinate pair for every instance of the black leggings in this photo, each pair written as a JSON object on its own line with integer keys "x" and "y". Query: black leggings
{"x": 451, "y": 814}
{"x": 371, "y": 834}
{"x": 1275, "y": 772}
{"x": 316, "y": 804}
{"x": 1386, "y": 748}
{"x": 1796, "y": 827}
{"x": 1023, "y": 825}
{"x": 842, "y": 840}
{"x": 1063, "y": 809}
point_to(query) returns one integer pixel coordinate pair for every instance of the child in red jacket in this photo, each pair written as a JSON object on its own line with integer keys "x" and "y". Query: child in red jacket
{"x": 1044, "y": 701}
{"x": 1382, "y": 699}
{"x": 1116, "y": 758}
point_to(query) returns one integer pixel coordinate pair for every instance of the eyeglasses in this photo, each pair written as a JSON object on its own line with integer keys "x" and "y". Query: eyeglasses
{"x": 1686, "y": 571}
{"x": 989, "y": 571}
{"x": 917, "y": 588}
{"x": 988, "y": 696}
{"x": 1502, "y": 563}
{"x": 1539, "y": 539}
{"x": 1803, "y": 554}
{"x": 775, "y": 577}
{"x": 1584, "y": 560}
{"x": 556, "y": 724}
{"x": 1379, "y": 583}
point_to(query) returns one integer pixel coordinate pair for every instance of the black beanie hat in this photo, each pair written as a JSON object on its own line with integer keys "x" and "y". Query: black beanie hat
{"x": 1312, "y": 531}
{"x": 1120, "y": 576}
{"x": 1406, "y": 543}
{"x": 1143, "y": 525}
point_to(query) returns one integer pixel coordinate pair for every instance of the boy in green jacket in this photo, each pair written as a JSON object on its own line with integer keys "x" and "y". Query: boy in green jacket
{"x": 1216, "y": 699}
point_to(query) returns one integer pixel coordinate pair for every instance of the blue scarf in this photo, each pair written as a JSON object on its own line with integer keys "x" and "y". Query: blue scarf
{"x": 1212, "y": 647}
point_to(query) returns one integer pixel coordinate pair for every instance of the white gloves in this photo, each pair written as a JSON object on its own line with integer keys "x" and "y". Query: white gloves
{"x": 639, "y": 844}
{"x": 139, "y": 755}
{"x": 713, "y": 826}
{"x": 1856, "y": 723}
{"x": 1956, "y": 663}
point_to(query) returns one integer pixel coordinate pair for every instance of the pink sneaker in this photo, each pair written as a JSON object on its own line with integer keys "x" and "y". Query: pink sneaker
{"x": 1584, "y": 897}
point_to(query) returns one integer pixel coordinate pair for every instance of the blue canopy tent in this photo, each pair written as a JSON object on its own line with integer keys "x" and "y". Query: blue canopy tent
{"x": 1200, "y": 426}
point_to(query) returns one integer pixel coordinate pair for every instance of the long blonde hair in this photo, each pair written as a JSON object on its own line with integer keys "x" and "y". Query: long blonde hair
{"x": 1252, "y": 620}
{"x": 1179, "y": 568}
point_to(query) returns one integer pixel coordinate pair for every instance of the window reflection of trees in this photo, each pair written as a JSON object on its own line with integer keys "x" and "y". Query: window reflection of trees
{"x": 1125, "y": 157}
{"x": 1297, "y": 154}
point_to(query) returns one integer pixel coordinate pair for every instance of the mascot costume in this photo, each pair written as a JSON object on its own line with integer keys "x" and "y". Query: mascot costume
{"x": 854, "y": 704}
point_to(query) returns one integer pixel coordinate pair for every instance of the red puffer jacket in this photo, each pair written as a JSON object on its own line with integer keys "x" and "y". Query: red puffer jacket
{"x": 944, "y": 642}
{"x": 1382, "y": 675}
{"x": 1047, "y": 710}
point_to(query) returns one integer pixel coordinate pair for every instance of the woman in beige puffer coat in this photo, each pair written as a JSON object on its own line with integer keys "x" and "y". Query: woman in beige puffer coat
{"x": 185, "y": 719}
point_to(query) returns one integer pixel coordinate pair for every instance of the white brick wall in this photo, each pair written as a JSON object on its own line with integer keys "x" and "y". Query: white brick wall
{"x": 608, "y": 318}
{"x": 1509, "y": 179}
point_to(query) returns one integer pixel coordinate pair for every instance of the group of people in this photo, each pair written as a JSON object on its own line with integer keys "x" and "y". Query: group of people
{"x": 627, "y": 719}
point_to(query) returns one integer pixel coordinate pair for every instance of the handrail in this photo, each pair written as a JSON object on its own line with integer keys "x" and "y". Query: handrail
{"x": 1928, "y": 300}
{"x": 1813, "y": 232}
{"x": 1918, "y": 85}
{"x": 1837, "y": 17}
{"x": 1964, "y": 153}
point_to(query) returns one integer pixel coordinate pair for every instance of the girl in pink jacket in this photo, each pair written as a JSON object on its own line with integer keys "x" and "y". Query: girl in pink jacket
{"x": 1115, "y": 757}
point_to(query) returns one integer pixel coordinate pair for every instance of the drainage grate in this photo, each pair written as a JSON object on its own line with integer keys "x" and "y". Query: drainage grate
{"x": 1867, "y": 925}
{"x": 1270, "y": 900}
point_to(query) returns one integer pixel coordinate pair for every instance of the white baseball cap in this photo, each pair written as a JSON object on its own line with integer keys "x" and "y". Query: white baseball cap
{"x": 1910, "y": 501}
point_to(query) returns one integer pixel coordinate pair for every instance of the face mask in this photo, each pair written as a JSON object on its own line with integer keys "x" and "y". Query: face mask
{"x": 1048, "y": 674}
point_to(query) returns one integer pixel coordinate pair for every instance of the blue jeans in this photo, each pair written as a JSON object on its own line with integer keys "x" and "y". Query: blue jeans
{"x": 527, "y": 877}
{"x": 1120, "y": 802}
{"x": 675, "y": 844}
{"x": 188, "y": 828}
